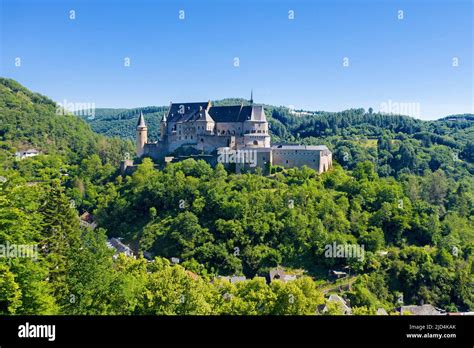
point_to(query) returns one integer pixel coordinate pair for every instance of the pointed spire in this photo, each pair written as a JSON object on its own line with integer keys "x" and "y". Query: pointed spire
{"x": 141, "y": 120}
{"x": 251, "y": 96}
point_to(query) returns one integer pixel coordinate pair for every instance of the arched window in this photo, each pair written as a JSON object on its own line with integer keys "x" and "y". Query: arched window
{"x": 255, "y": 142}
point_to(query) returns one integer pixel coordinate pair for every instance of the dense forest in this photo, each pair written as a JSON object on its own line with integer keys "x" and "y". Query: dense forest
{"x": 402, "y": 188}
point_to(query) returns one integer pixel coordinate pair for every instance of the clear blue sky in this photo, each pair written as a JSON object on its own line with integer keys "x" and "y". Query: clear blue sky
{"x": 287, "y": 62}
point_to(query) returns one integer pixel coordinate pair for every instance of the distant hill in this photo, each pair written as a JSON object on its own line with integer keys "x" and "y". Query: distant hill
{"x": 458, "y": 118}
{"x": 122, "y": 122}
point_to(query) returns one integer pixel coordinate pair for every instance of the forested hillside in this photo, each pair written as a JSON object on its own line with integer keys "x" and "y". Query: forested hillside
{"x": 30, "y": 120}
{"x": 122, "y": 123}
{"x": 401, "y": 188}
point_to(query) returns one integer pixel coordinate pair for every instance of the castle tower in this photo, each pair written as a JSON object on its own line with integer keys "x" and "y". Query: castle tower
{"x": 163, "y": 128}
{"x": 142, "y": 135}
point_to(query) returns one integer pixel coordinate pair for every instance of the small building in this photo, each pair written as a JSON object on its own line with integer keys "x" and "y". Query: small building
{"x": 237, "y": 279}
{"x": 87, "y": 220}
{"x": 280, "y": 274}
{"x": 233, "y": 279}
{"x": 337, "y": 274}
{"x": 26, "y": 154}
{"x": 333, "y": 298}
{"x": 127, "y": 167}
{"x": 119, "y": 247}
{"x": 426, "y": 309}
{"x": 192, "y": 275}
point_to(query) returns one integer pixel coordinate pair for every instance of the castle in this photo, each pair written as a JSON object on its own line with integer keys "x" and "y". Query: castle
{"x": 228, "y": 134}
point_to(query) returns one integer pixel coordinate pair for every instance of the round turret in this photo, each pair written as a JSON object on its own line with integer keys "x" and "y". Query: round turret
{"x": 142, "y": 135}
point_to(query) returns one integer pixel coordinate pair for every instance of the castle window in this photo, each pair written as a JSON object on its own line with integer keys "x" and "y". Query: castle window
{"x": 255, "y": 142}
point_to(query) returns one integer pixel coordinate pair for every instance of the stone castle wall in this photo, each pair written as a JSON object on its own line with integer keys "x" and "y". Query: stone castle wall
{"x": 318, "y": 160}
{"x": 157, "y": 150}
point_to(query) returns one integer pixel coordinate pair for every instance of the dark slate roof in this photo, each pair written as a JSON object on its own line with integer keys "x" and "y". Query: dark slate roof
{"x": 119, "y": 246}
{"x": 141, "y": 121}
{"x": 234, "y": 113}
{"x": 191, "y": 111}
{"x": 426, "y": 309}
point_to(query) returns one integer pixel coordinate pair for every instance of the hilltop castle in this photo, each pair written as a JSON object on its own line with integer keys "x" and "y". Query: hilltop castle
{"x": 230, "y": 134}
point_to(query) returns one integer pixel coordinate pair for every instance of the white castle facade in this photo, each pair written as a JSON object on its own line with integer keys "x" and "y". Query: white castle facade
{"x": 230, "y": 134}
